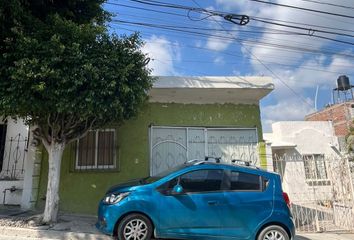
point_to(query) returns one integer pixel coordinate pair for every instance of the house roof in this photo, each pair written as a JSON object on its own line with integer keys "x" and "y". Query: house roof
{"x": 216, "y": 89}
{"x": 276, "y": 143}
{"x": 282, "y": 145}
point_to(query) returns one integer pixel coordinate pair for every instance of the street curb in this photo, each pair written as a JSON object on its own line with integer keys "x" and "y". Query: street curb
{"x": 50, "y": 234}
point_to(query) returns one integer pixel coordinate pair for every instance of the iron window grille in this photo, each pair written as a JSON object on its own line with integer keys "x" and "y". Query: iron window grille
{"x": 96, "y": 151}
{"x": 315, "y": 167}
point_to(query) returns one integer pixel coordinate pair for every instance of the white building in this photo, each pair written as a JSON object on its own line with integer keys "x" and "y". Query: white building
{"x": 301, "y": 152}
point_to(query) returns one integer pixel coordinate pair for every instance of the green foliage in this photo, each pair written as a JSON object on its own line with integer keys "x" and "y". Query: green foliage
{"x": 350, "y": 139}
{"x": 62, "y": 71}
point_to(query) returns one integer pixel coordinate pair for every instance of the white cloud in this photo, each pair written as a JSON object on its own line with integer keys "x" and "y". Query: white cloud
{"x": 218, "y": 44}
{"x": 219, "y": 60}
{"x": 163, "y": 54}
{"x": 287, "y": 109}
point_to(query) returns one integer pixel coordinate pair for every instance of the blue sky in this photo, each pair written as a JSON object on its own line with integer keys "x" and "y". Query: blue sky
{"x": 297, "y": 59}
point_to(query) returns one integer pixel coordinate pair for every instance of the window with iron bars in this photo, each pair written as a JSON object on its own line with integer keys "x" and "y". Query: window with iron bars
{"x": 96, "y": 150}
{"x": 315, "y": 167}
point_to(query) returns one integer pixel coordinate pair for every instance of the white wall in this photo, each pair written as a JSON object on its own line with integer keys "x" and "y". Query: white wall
{"x": 310, "y": 137}
{"x": 290, "y": 141}
{"x": 16, "y": 130}
{"x": 12, "y": 198}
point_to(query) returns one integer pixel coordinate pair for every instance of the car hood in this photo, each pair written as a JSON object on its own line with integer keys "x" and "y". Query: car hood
{"x": 127, "y": 186}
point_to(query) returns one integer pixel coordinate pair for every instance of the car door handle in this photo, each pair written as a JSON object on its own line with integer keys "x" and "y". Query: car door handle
{"x": 212, "y": 203}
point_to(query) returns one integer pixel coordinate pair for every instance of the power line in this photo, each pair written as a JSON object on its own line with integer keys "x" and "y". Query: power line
{"x": 265, "y": 20}
{"x": 288, "y": 49}
{"x": 177, "y": 28}
{"x": 304, "y": 9}
{"x": 234, "y": 63}
{"x": 226, "y": 53}
{"x": 184, "y": 15}
{"x": 268, "y": 68}
{"x": 328, "y": 4}
{"x": 310, "y": 30}
{"x": 306, "y": 24}
{"x": 146, "y": 9}
{"x": 264, "y": 30}
{"x": 223, "y": 37}
{"x": 236, "y": 55}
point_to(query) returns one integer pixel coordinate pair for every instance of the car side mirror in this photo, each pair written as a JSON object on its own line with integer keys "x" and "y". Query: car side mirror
{"x": 177, "y": 190}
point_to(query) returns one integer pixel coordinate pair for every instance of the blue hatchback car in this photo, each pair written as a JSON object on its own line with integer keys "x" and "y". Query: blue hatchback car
{"x": 199, "y": 200}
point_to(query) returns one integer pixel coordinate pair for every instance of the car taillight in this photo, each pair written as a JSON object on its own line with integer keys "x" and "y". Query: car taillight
{"x": 286, "y": 199}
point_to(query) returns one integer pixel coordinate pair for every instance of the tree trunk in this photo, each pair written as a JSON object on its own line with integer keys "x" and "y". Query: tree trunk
{"x": 55, "y": 152}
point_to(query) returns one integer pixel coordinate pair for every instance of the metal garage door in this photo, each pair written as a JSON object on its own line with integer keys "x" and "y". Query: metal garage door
{"x": 170, "y": 146}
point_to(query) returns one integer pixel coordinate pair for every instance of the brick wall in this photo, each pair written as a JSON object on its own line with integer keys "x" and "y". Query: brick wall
{"x": 339, "y": 114}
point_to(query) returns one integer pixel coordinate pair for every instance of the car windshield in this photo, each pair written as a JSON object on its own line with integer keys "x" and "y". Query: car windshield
{"x": 163, "y": 174}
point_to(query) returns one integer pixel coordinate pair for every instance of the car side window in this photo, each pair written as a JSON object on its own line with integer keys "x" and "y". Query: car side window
{"x": 241, "y": 181}
{"x": 202, "y": 180}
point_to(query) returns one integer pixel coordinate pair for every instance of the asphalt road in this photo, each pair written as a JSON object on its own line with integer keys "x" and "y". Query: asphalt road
{"x": 312, "y": 236}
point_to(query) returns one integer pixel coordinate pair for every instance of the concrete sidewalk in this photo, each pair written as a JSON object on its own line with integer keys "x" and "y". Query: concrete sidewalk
{"x": 325, "y": 236}
{"x": 16, "y": 224}
{"x": 14, "y": 233}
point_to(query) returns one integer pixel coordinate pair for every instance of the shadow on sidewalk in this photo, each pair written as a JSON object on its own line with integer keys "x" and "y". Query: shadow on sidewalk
{"x": 301, "y": 238}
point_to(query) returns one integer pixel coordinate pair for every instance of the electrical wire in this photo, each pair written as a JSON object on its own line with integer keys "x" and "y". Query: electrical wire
{"x": 204, "y": 11}
{"x": 310, "y": 30}
{"x": 223, "y": 37}
{"x": 304, "y": 9}
{"x": 176, "y": 28}
{"x": 226, "y": 53}
{"x": 268, "y": 68}
{"x": 328, "y": 4}
{"x": 260, "y": 19}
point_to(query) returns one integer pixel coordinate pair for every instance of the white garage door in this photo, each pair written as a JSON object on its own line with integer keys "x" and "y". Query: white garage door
{"x": 170, "y": 146}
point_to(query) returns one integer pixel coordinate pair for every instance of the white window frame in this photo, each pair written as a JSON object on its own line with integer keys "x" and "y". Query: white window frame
{"x": 96, "y": 166}
{"x": 312, "y": 157}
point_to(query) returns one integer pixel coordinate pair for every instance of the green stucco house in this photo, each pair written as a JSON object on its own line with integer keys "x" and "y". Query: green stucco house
{"x": 186, "y": 118}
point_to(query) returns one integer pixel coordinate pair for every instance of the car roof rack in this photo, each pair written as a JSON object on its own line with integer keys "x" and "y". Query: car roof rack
{"x": 241, "y": 162}
{"x": 205, "y": 160}
{"x": 216, "y": 159}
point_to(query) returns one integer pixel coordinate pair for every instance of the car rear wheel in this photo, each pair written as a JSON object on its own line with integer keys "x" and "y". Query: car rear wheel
{"x": 135, "y": 227}
{"x": 273, "y": 232}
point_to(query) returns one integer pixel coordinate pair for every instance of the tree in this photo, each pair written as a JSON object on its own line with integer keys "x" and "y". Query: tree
{"x": 66, "y": 74}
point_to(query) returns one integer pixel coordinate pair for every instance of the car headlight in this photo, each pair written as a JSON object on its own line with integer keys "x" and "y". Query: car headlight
{"x": 114, "y": 198}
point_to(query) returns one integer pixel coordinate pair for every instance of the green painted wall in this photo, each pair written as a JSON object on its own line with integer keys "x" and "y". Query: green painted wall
{"x": 81, "y": 191}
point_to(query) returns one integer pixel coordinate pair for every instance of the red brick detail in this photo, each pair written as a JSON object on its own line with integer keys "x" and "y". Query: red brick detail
{"x": 339, "y": 114}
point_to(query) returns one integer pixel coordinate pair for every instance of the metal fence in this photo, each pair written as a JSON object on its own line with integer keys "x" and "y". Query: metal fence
{"x": 320, "y": 189}
{"x": 171, "y": 146}
{"x": 14, "y": 150}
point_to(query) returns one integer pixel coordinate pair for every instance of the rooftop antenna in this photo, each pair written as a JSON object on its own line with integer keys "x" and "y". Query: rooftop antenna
{"x": 316, "y": 96}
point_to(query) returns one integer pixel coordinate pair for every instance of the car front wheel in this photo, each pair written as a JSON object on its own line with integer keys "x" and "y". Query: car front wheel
{"x": 273, "y": 232}
{"x": 135, "y": 227}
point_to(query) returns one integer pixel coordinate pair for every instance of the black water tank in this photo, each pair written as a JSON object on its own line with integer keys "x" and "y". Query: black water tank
{"x": 343, "y": 83}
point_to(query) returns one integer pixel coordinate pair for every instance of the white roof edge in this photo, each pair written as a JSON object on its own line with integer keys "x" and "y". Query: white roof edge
{"x": 220, "y": 82}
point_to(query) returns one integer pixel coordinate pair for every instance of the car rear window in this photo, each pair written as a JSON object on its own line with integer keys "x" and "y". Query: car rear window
{"x": 245, "y": 181}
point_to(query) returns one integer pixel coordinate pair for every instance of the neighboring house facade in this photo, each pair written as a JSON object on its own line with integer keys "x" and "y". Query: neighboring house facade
{"x": 314, "y": 173}
{"x": 299, "y": 151}
{"x": 186, "y": 118}
{"x": 13, "y": 154}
